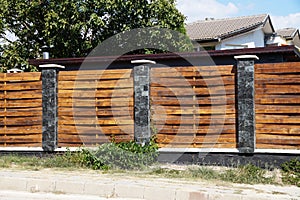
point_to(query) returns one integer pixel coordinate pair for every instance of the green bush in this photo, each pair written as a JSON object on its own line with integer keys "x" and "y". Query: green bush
{"x": 124, "y": 155}
{"x": 291, "y": 172}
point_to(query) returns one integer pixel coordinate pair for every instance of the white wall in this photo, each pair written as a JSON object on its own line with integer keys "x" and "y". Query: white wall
{"x": 248, "y": 40}
{"x": 277, "y": 41}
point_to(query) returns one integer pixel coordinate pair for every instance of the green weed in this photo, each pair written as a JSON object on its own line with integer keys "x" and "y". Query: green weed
{"x": 291, "y": 172}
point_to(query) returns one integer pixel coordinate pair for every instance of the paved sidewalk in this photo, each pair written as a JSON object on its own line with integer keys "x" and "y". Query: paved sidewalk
{"x": 123, "y": 186}
{"x": 16, "y": 195}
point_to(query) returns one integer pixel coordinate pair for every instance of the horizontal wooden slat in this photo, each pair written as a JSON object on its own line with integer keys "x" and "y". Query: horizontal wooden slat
{"x": 173, "y": 110}
{"x": 113, "y": 129}
{"x": 178, "y": 81}
{"x": 37, "y": 138}
{"x": 191, "y": 140}
{"x": 278, "y": 89}
{"x": 92, "y": 72}
{"x": 17, "y": 130}
{"x": 100, "y": 84}
{"x": 21, "y": 144}
{"x": 291, "y": 67}
{"x": 35, "y": 94}
{"x": 95, "y": 75}
{"x": 24, "y": 103}
{"x": 274, "y": 130}
{"x": 22, "y": 86}
{"x": 18, "y": 113}
{"x": 206, "y": 129}
{"x": 295, "y": 100}
{"x": 208, "y": 145}
{"x": 278, "y": 119}
{"x": 277, "y": 146}
{"x": 285, "y": 141}
{"x": 26, "y": 76}
{"x": 272, "y": 109}
{"x": 191, "y": 91}
{"x": 95, "y": 122}
{"x": 22, "y": 121}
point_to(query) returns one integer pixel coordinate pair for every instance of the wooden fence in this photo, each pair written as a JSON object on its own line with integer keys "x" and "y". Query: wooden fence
{"x": 95, "y": 107}
{"x": 277, "y": 100}
{"x": 194, "y": 106}
{"x": 21, "y": 109}
{"x": 190, "y": 106}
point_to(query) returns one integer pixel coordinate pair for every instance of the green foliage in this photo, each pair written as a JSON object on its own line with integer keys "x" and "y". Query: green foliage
{"x": 291, "y": 172}
{"x": 72, "y": 28}
{"x": 126, "y": 155}
{"x": 91, "y": 161}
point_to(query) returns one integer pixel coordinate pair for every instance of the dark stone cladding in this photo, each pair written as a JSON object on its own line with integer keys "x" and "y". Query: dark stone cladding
{"x": 245, "y": 103}
{"x": 50, "y": 106}
{"x": 142, "y": 132}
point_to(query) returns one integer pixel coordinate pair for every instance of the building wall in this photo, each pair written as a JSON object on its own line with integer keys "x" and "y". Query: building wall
{"x": 277, "y": 41}
{"x": 249, "y": 40}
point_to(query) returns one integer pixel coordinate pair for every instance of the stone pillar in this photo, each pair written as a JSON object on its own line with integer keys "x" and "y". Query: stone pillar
{"x": 142, "y": 130}
{"x": 246, "y": 103}
{"x": 50, "y": 107}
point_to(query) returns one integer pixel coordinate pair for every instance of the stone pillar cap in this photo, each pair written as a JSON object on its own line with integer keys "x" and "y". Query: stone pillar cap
{"x": 51, "y": 66}
{"x": 249, "y": 57}
{"x": 143, "y": 61}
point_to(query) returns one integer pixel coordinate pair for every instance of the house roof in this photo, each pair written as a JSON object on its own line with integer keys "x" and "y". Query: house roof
{"x": 216, "y": 29}
{"x": 287, "y": 33}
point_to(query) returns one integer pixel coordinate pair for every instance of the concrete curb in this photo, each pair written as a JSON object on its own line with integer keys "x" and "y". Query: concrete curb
{"x": 113, "y": 186}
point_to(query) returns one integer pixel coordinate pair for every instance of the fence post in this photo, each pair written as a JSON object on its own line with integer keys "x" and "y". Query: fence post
{"x": 142, "y": 113}
{"x": 50, "y": 107}
{"x": 246, "y": 103}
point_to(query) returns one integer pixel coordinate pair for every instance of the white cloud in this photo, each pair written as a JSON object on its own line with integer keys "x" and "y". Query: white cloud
{"x": 200, "y": 9}
{"x": 289, "y": 21}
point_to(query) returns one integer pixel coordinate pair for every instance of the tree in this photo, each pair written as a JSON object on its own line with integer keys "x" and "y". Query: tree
{"x": 72, "y": 28}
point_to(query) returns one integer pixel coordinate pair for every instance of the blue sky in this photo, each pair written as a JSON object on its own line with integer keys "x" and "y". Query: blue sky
{"x": 284, "y": 13}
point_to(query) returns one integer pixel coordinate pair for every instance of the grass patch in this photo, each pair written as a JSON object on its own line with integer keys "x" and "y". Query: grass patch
{"x": 67, "y": 160}
{"x": 291, "y": 172}
{"x": 130, "y": 158}
{"x": 248, "y": 174}
{"x": 124, "y": 155}
{"x": 86, "y": 159}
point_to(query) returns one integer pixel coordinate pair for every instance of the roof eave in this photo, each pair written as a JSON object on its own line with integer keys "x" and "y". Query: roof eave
{"x": 208, "y": 40}
{"x": 296, "y": 33}
{"x": 157, "y": 57}
{"x": 238, "y": 32}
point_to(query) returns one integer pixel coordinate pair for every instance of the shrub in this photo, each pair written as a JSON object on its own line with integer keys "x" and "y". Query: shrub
{"x": 124, "y": 155}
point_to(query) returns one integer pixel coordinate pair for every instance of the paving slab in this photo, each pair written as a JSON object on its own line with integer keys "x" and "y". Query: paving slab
{"x": 17, "y": 195}
{"x": 112, "y": 186}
